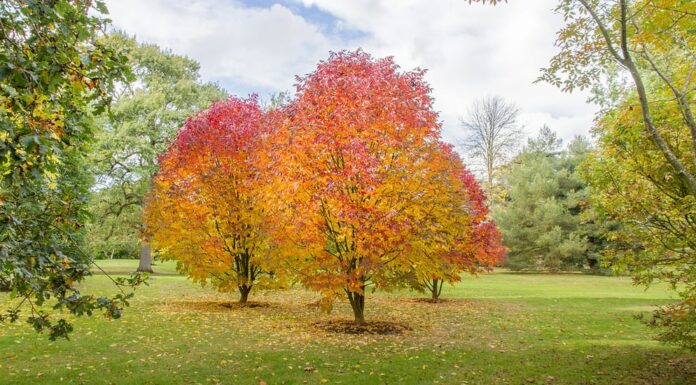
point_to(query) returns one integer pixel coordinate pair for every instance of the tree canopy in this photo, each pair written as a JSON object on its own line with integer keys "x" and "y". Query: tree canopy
{"x": 55, "y": 72}
{"x": 208, "y": 209}
{"x": 647, "y": 134}
{"x": 545, "y": 215}
{"x": 361, "y": 176}
{"x": 635, "y": 186}
{"x": 146, "y": 114}
{"x": 343, "y": 188}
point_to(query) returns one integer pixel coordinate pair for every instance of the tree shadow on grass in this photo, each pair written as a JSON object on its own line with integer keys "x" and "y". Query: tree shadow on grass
{"x": 209, "y": 306}
{"x": 128, "y": 271}
{"x": 439, "y": 301}
{"x": 371, "y": 327}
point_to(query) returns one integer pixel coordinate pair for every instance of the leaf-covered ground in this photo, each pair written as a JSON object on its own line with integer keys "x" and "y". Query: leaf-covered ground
{"x": 500, "y": 328}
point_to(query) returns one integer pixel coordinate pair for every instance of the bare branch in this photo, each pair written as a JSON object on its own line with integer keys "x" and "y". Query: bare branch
{"x": 492, "y": 133}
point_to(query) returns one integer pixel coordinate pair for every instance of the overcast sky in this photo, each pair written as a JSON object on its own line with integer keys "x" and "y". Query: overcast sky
{"x": 470, "y": 51}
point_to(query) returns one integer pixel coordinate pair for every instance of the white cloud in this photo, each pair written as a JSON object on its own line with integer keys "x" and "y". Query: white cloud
{"x": 470, "y": 51}
{"x": 258, "y": 48}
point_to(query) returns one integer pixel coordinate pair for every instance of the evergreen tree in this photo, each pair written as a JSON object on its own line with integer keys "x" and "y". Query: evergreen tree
{"x": 544, "y": 217}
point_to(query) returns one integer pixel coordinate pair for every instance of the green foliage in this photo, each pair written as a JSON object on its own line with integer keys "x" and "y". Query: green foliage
{"x": 145, "y": 117}
{"x": 54, "y": 73}
{"x": 547, "y": 142}
{"x": 634, "y": 185}
{"x": 544, "y": 217}
{"x": 644, "y": 171}
{"x": 111, "y": 236}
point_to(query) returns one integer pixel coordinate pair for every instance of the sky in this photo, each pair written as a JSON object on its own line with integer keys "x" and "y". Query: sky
{"x": 469, "y": 51}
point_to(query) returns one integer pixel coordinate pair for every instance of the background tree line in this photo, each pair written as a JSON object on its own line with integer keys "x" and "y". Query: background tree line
{"x": 539, "y": 196}
{"x": 145, "y": 116}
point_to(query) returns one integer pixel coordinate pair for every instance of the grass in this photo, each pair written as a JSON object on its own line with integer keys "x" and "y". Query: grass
{"x": 500, "y": 328}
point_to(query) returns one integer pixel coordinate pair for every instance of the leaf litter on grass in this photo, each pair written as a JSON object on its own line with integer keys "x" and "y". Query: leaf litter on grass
{"x": 286, "y": 320}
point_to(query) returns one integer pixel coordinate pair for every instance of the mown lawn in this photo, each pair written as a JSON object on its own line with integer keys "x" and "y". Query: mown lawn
{"x": 500, "y": 328}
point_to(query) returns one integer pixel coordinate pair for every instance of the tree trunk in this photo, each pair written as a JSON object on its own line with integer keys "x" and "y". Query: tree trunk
{"x": 490, "y": 170}
{"x": 5, "y": 284}
{"x": 592, "y": 263}
{"x": 244, "y": 291}
{"x": 357, "y": 302}
{"x": 145, "y": 264}
{"x": 436, "y": 290}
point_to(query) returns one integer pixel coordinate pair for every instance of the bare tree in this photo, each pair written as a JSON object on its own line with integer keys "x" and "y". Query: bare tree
{"x": 492, "y": 133}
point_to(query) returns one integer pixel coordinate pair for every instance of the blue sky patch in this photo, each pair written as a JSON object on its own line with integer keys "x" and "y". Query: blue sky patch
{"x": 329, "y": 24}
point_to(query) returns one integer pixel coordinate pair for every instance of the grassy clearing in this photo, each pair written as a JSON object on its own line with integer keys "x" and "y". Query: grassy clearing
{"x": 500, "y": 328}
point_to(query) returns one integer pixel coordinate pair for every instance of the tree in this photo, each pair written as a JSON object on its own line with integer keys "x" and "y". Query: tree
{"x": 351, "y": 161}
{"x": 145, "y": 117}
{"x": 633, "y": 185}
{"x": 544, "y": 217}
{"x": 469, "y": 240}
{"x": 492, "y": 134}
{"x": 54, "y": 74}
{"x": 207, "y": 210}
{"x": 653, "y": 43}
{"x": 646, "y": 38}
{"x": 546, "y": 142}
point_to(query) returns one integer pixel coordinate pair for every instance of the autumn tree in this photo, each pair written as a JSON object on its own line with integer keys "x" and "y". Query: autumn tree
{"x": 633, "y": 185}
{"x": 207, "y": 210}
{"x": 652, "y": 43}
{"x": 492, "y": 134}
{"x": 147, "y": 112}
{"x": 352, "y": 176}
{"x": 467, "y": 240}
{"x": 55, "y": 74}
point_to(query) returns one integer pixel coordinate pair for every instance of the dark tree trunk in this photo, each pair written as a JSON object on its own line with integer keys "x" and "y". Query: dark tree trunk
{"x": 245, "y": 275}
{"x": 244, "y": 291}
{"x": 5, "y": 284}
{"x": 145, "y": 264}
{"x": 357, "y": 302}
{"x": 436, "y": 289}
{"x": 592, "y": 263}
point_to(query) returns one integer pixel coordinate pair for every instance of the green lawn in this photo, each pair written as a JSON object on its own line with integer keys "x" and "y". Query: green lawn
{"x": 500, "y": 328}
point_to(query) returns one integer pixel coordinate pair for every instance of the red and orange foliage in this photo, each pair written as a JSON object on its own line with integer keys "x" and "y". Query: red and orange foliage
{"x": 207, "y": 210}
{"x": 362, "y": 181}
{"x": 346, "y": 189}
{"x": 467, "y": 240}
